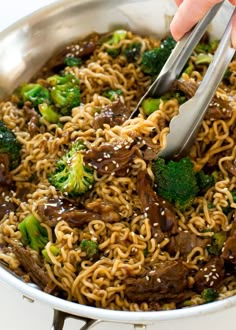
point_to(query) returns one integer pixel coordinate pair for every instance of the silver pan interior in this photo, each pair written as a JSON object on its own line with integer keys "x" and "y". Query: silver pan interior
{"x": 24, "y": 48}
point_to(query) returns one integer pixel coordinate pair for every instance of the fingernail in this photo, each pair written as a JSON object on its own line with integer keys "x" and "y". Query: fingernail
{"x": 233, "y": 33}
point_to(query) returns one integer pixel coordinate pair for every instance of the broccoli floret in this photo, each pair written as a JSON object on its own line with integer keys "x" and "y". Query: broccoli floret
{"x": 132, "y": 52}
{"x": 112, "y": 94}
{"x": 49, "y": 113}
{"x": 227, "y": 74}
{"x": 150, "y": 105}
{"x": 179, "y": 96}
{"x": 9, "y": 145}
{"x": 217, "y": 243}
{"x": 154, "y": 60}
{"x": 72, "y": 61}
{"x": 209, "y": 295}
{"x": 72, "y": 177}
{"x": 89, "y": 247}
{"x": 203, "y": 59}
{"x": 35, "y": 93}
{"x": 33, "y": 234}
{"x": 205, "y": 181}
{"x": 65, "y": 92}
{"x": 189, "y": 69}
{"x": 176, "y": 181}
{"x": 209, "y": 47}
{"x": 113, "y": 40}
{"x": 145, "y": 252}
{"x": 53, "y": 249}
{"x": 228, "y": 208}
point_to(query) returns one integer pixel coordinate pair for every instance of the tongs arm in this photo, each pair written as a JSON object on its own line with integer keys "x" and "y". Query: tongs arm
{"x": 178, "y": 59}
{"x": 185, "y": 126}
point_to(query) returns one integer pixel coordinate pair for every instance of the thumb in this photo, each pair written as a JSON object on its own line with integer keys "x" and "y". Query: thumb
{"x": 233, "y": 34}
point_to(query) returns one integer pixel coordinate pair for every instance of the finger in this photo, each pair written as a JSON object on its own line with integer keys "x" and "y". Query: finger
{"x": 183, "y": 21}
{"x": 178, "y": 2}
{"x": 233, "y": 33}
{"x": 233, "y": 2}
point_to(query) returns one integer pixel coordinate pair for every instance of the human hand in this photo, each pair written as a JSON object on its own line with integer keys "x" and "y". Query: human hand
{"x": 192, "y": 11}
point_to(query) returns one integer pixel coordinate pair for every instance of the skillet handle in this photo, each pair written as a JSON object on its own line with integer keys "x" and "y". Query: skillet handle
{"x": 60, "y": 317}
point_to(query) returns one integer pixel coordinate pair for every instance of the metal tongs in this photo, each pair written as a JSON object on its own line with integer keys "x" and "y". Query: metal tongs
{"x": 184, "y": 126}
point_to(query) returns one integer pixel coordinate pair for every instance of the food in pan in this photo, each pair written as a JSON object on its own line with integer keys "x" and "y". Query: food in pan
{"x": 88, "y": 213}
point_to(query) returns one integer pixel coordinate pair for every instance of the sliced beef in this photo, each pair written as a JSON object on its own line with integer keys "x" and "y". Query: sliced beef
{"x": 6, "y": 186}
{"x": 218, "y": 108}
{"x": 229, "y": 249}
{"x": 167, "y": 282}
{"x": 111, "y": 158}
{"x": 5, "y": 177}
{"x": 229, "y": 252}
{"x": 184, "y": 243}
{"x": 159, "y": 211}
{"x": 78, "y": 49}
{"x": 210, "y": 275}
{"x": 188, "y": 87}
{"x": 32, "y": 118}
{"x": 61, "y": 209}
{"x": 113, "y": 114}
{"x": 150, "y": 149}
{"x": 230, "y": 166}
{"x": 33, "y": 268}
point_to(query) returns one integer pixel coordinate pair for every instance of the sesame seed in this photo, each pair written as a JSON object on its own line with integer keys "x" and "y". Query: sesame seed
{"x": 152, "y": 272}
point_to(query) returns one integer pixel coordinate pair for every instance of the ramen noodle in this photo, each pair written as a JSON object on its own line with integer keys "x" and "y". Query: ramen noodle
{"x": 134, "y": 268}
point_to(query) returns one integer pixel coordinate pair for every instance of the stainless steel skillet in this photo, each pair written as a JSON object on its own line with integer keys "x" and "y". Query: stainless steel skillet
{"x": 24, "y": 47}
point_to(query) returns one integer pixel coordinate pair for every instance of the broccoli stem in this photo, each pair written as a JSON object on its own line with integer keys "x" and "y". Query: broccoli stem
{"x": 33, "y": 234}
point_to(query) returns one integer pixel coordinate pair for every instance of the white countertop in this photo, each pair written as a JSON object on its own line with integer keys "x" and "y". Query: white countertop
{"x": 17, "y": 313}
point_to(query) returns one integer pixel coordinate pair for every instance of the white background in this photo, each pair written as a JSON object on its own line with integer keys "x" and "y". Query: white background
{"x": 17, "y": 313}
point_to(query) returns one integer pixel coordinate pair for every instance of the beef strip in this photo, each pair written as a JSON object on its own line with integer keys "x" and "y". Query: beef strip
{"x": 159, "y": 211}
{"x": 32, "y": 118}
{"x": 33, "y": 268}
{"x": 184, "y": 243}
{"x": 218, "y": 108}
{"x": 63, "y": 210}
{"x": 5, "y": 177}
{"x": 150, "y": 149}
{"x": 111, "y": 158}
{"x": 230, "y": 166}
{"x": 229, "y": 249}
{"x": 6, "y": 185}
{"x": 167, "y": 282}
{"x": 210, "y": 275}
{"x": 78, "y": 49}
{"x": 113, "y": 114}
